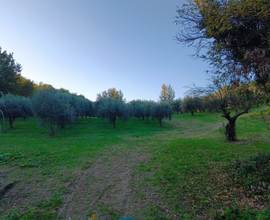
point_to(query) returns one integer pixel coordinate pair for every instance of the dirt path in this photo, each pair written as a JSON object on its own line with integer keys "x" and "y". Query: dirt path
{"x": 104, "y": 189}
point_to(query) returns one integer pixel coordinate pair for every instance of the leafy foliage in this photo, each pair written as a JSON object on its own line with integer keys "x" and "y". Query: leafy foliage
{"x": 224, "y": 96}
{"x": 26, "y": 87}
{"x": 235, "y": 33}
{"x": 147, "y": 109}
{"x": 176, "y": 105}
{"x": 247, "y": 214}
{"x": 253, "y": 173}
{"x": 14, "y": 106}
{"x": 192, "y": 104}
{"x": 9, "y": 73}
{"x": 167, "y": 93}
{"x": 111, "y": 109}
{"x": 110, "y": 93}
{"x": 161, "y": 111}
{"x": 136, "y": 108}
{"x": 52, "y": 108}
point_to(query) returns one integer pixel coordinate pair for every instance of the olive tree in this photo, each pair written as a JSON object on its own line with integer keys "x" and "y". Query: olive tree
{"x": 232, "y": 100}
{"x": 176, "y": 105}
{"x": 136, "y": 108}
{"x": 67, "y": 116}
{"x": 90, "y": 109}
{"x": 147, "y": 109}
{"x": 111, "y": 109}
{"x": 161, "y": 111}
{"x": 53, "y": 109}
{"x": 14, "y": 106}
{"x": 192, "y": 104}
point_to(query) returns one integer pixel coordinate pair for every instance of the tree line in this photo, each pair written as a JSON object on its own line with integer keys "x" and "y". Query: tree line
{"x": 235, "y": 35}
{"x": 58, "y": 108}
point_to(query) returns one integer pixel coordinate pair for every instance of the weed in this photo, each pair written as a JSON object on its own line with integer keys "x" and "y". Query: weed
{"x": 252, "y": 173}
{"x": 55, "y": 201}
{"x": 105, "y": 210}
{"x": 235, "y": 213}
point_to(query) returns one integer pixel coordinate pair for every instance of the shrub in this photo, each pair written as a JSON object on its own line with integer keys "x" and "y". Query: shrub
{"x": 253, "y": 173}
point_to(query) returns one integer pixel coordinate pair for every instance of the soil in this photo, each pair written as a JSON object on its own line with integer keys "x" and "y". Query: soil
{"x": 110, "y": 188}
{"x": 22, "y": 192}
{"x": 107, "y": 183}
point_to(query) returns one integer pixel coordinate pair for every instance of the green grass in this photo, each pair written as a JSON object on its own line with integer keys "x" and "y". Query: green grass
{"x": 188, "y": 160}
{"x": 85, "y": 139}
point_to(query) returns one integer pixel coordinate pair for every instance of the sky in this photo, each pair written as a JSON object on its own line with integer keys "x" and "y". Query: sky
{"x": 88, "y": 46}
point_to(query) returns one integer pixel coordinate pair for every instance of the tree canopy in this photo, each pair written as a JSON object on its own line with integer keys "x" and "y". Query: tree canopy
{"x": 222, "y": 95}
{"x": 53, "y": 109}
{"x": 9, "y": 73}
{"x": 14, "y": 106}
{"x": 192, "y": 104}
{"x": 110, "y": 93}
{"x": 167, "y": 93}
{"x": 234, "y": 32}
{"x": 111, "y": 109}
{"x": 161, "y": 111}
{"x": 176, "y": 105}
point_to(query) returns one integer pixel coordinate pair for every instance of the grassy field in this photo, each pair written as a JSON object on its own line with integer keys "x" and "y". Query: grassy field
{"x": 135, "y": 170}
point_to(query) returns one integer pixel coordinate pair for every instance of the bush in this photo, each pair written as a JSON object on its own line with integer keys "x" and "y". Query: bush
{"x": 247, "y": 214}
{"x": 253, "y": 173}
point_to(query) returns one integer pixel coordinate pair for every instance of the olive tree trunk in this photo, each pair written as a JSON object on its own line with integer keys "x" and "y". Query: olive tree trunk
{"x": 230, "y": 127}
{"x": 160, "y": 122}
{"x": 11, "y": 120}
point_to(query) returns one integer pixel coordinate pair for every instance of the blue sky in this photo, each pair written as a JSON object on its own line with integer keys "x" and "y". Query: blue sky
{"x": 88, "y": 46}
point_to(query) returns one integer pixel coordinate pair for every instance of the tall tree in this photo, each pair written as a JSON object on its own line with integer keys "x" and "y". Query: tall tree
{"x": 110, "y": 93}
{"x": 235, "y": 33}
{"x": 114, "y": 94}
{"x": 9, "y": 73}
{"x": 42, "y": 86}
{"x": 26, "y": 87}
{"x": 167, "y": 93}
